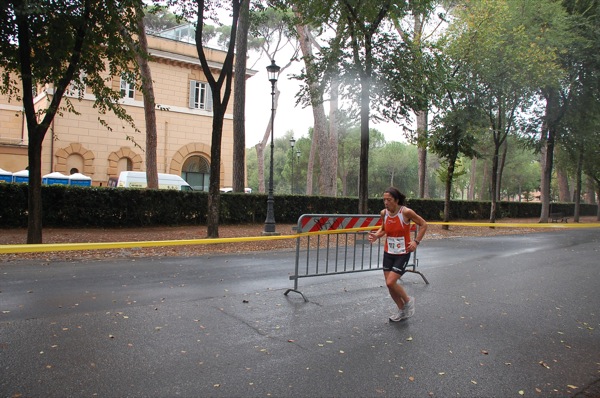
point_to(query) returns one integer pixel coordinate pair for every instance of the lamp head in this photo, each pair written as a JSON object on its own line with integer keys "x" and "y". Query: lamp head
{"x": 273, "y": 71}
{"x": 292, "y": 142}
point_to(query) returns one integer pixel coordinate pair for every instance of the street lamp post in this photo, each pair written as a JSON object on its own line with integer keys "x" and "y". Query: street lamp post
{"x": 298, "y": 156}
{"x": 292, "y": 143}
{"x": 273, "y": 72}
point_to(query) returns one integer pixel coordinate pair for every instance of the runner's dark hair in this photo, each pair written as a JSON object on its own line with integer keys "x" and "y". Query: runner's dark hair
{"x": 396, "y": 194}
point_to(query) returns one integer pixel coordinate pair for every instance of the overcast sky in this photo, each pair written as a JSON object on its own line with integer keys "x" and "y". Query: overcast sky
{"x": 288, "y": 117}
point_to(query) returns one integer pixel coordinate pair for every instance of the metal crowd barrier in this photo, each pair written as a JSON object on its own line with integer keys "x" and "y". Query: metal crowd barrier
{"x": 332, "y": 244}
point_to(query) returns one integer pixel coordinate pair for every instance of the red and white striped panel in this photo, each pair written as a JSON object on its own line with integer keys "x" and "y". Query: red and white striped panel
{"x": 332, "y": 222}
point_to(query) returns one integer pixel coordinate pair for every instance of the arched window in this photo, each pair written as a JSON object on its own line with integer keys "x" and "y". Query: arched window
{"x": 75, "y": 161}
{"x": 124, "y": 164}
{"x": 196, "y": 171}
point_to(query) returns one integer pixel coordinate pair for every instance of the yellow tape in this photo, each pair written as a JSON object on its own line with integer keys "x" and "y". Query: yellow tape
{"x": 51, "y": 247}
{"x": 518, "y": 225}
{"x": 54, "y": 247}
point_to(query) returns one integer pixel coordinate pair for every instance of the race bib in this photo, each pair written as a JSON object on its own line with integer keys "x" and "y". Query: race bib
{"x": 396, "y": 245}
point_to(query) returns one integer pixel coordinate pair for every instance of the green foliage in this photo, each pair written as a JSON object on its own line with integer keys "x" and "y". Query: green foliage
{"x": 511, "y": 43}
{"x": 521, "y": 172}
{"x": 68, "y": 43}
{"x": 13, "y": 211}
{"x": 269, "y": 25}
{"x": 394, "y": 164}
{"x": 459, "y": 171}
{"x": 158, "y": 18}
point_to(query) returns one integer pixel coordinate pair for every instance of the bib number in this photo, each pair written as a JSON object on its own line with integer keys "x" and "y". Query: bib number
{"x": 396, "y": 245}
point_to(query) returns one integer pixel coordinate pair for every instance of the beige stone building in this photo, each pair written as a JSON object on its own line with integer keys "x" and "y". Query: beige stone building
{"x": 80, "y": 143}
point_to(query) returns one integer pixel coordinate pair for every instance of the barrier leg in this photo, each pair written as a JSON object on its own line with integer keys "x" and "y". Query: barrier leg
{"x": 420, "y": 273}
{"x": 296, "y": 291}
{"x": 297, "y": 268}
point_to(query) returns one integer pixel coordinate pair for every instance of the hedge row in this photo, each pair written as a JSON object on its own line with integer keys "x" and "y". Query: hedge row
{"x": 114, "y": 207}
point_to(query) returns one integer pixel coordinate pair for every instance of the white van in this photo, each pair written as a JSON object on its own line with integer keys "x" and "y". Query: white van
{"x": 137, "y": 179}
{"x": 229, "y": 189}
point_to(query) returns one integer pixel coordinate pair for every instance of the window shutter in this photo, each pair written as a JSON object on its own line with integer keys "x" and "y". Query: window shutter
{"x": 192, "y": 94}
{"x": 209, "y": 99}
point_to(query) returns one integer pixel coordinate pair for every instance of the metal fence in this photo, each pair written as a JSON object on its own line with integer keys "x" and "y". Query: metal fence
{"x": 333, "y": 244}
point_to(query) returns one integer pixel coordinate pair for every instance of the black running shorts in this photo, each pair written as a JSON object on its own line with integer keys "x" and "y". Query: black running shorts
{"x": 395, "y": 262}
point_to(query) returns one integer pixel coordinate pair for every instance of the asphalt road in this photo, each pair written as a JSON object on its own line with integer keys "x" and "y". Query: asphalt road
{"x": 503, "y": 316}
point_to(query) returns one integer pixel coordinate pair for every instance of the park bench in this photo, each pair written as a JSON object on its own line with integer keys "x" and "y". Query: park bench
{"x": 560, "y": 216}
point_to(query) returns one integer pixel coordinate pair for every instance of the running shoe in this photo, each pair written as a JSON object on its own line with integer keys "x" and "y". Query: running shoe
{"x": 398, "y": 317}
{"x": 409, "y": 308}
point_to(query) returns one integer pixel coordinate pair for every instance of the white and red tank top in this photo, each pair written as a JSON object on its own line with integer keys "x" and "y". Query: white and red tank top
{"x": 397, "y": 232}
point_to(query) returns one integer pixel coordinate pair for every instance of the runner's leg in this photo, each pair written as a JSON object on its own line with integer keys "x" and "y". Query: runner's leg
{"x": 396, "y": 290}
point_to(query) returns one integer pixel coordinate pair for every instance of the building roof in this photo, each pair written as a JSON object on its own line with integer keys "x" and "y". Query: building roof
{"x": 185, "y": 34}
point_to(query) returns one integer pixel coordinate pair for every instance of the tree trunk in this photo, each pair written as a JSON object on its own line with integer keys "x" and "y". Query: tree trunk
{"x": 485, "y": 183}
{"x": 419, "y": 18}
{"x": 364, "y": 51}
{"x": 598, "y": 196}
{"x": 494, "y": 177}
{"x": 363, "y": 182}
{"x": 500, "y": 171}
{"x": 320, "y": 143}
{"x": 343, "y": 171}
{"x": 239, "y": 100}
{"x": 472, "y": 179}
{"x": 422, "y": 138}
{"x": 214, "y": 193}
{"x": 34, "y": 193}
{"x": 220, "y": 101}
{"x": 311, "y": 163}
{"x": 36, "y": 131}
{"x": 149, "y": 107}
{"x": 578, "y": 184}
{"x": 563, "y": 185}
{"x": 261, "y": 146}
{"x": 548, "y": 137}
{"x": 547, "y": 156}
{"x": 448, "y": 193}
{"x": 590, "y": 194}
{"x": 332, "y": 143}
{"x": 260, "y": 157}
